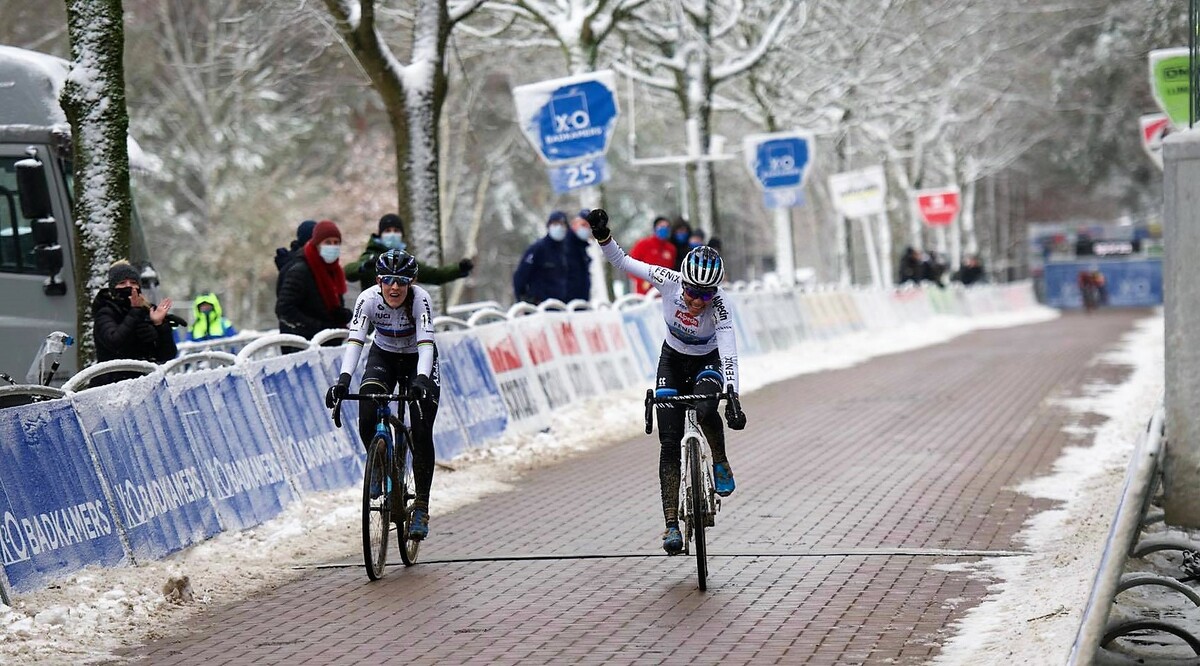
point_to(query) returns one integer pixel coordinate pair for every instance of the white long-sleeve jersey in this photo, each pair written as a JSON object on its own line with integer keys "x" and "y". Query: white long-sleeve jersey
{"x": 686, "y": 333}
{"x": 404, "y": 330}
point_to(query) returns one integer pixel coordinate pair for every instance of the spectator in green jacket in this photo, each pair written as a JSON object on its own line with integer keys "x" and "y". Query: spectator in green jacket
{"x": 209, "y": 320}
{"x": 391, "y": 237}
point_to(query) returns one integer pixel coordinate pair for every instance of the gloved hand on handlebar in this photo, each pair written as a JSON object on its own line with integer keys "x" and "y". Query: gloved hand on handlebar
{"x": 338, "y": 391}
{"x": 423, "y": 387}
{"x": 735, "y": 418}
{"x": 597, "y": 219}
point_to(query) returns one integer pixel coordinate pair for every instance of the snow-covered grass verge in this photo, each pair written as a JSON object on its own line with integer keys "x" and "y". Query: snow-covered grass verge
{"x": 1033, "y": 610}
{"x": 84, "y": 618}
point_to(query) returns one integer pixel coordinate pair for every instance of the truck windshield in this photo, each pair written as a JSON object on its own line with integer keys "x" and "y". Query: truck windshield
{"x": 16, "y": 236}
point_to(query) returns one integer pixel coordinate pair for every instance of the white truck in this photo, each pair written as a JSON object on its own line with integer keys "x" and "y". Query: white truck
{"x": 37, "y": 262}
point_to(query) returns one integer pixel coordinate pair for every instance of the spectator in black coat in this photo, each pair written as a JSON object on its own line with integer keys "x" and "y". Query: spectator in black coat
{"x": 312, "y": 289}
{"x": 910, "y": 266}
{"x": 681, "y": 231}
{"x": 547, "y": 266}
{"x": 286, "y": 255}
{"x": 970, "y": 272}
{"x": 579, "y": 277}
{"x": 127, "y": 325}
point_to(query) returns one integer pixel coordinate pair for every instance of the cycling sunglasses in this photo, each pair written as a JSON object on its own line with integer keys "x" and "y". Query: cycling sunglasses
{"x": 396, "y": 279}
{"x": 705, "y": 295}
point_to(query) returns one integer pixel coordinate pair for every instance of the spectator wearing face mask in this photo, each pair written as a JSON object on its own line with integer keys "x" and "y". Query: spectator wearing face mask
{"x": 391, "y": 237}
{"x": 579, "y": 278}
{"x": 311, "y": 293}
{"x": 681, "y": 231}
{"x": 547, "y": 267}
{"x": 656, "y": 250}
{"x": 127, "y": 326}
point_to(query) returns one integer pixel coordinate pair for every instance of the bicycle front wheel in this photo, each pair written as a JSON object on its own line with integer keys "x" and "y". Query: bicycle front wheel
{"x": 406, "y": 488}
{"x": 376, "y": 514}
{"x": 696, "y": 490}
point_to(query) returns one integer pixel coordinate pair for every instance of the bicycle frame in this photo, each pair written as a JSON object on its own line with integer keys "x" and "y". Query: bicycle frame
{"x": 386, "y": 498}
{"x": 698, "y": 501}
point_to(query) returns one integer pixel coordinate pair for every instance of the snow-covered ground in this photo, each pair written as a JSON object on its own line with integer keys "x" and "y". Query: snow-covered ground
{"x": 86, "y": 617}
{"x": 1035, "y": 602}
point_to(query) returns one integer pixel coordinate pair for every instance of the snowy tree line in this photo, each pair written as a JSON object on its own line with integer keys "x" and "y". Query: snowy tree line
{"x": 265, "y": 113}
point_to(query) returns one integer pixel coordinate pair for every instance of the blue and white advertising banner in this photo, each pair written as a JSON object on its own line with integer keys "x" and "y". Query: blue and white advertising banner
{"x": 159, "y": 491}
{"x": 1127, "y": 283}
{"x": 54, "y": 516}
{"x": 319, "y": 456}
{"x": 646, "y": 331}
{"x": 473, "y": 392}
{"x": 567, "y": 177}
{"x": 245, "y": 473}
{"x": 779, "y": 163}
{"x": 571, "y": 118}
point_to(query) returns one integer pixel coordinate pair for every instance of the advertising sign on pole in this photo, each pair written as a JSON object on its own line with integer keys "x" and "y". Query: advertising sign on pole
{"x": 570, "y": 122}
{"x": 861, "y": 193}
{"x": 780, "y": 163}
{"x": 938, "y": 207}
{"x": 1155, "y": 127}
{"x": 1170, "y": 82}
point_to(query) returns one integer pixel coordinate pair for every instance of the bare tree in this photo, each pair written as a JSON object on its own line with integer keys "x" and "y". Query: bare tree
{"x": 412, "y": 96}
{"x": 94, "y": 101}
{"x": 690, "y": 50}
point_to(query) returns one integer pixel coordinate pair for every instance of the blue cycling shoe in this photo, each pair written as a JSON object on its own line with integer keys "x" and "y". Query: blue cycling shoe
{"x": 419, "y": 528}
{"x": 723, "y": 478}
{"x": 672, "y": 539}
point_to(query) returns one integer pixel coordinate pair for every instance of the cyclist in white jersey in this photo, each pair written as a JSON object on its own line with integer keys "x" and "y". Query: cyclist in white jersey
{"x": 403, "y": 351}
{"x": 699, "y": 356}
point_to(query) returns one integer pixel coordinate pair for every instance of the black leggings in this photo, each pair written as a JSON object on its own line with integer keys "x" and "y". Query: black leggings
{"x": 384, "y": 370}
{"x": 685, "y": 374}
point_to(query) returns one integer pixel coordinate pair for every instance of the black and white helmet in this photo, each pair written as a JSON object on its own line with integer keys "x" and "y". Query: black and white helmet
{"x": 397, "y": 263}
{"x": 703, "y": 268}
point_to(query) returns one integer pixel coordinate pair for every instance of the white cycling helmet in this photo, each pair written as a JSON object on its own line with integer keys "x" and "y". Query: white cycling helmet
{"x": 703, "y": 268}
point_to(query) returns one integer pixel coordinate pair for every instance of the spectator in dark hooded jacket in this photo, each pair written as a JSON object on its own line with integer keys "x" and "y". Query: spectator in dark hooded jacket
{"x": 910, "y": 266}
{"x": 127, "y": 325}
{"x": 285, "y": 256}
{"x": 681, "y": 231}
{"x": 312, "y": 289}
{"x": 546, "y": 265}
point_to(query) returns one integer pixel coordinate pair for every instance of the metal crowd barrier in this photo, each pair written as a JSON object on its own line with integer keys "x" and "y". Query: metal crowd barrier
{"x": 1097, "y": 628}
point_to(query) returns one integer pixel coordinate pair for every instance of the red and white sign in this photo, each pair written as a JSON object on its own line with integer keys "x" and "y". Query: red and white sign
{"x": 938, "y": 207}
{"x": 1155, "y": 127}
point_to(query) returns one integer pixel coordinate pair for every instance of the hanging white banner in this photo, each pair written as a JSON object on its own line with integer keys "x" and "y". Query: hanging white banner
{"x": 861, "y": 193}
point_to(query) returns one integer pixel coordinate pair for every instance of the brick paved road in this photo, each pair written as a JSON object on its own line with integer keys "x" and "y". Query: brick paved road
{"x": 853, "y": 485}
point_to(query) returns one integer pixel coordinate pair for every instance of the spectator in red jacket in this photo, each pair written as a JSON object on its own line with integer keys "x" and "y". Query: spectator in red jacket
{"x": 655, "y": 249}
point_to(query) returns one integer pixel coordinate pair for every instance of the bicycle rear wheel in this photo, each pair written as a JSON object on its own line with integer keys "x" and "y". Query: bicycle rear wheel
{"x": 696, "y": 491}
{"x": 376, "y": 515}
{"x": 406, "y": 488}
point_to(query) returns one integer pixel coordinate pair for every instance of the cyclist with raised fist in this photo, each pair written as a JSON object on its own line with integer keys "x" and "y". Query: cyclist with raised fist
{"x": 699, "y": 356}
{"x": 403, "y": 351}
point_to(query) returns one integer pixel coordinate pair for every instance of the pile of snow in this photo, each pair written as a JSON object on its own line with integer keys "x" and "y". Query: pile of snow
{"x": 91, "y": 614}
{"x": 1033, "y": 610}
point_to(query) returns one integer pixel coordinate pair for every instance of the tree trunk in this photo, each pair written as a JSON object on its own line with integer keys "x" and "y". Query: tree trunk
{"x": 94, "y": 102}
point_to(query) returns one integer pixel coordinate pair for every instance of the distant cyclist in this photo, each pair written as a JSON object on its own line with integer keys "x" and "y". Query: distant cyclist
{"x": 699, "y": 355}
{"x": 403, "y": 352}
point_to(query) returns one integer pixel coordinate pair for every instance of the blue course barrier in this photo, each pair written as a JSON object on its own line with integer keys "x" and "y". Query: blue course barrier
{"x": 319, "y": 457}
{"x": 1128, "y": 283}
{"x": 471, "y": 391}
{"x": 637, "y": 323}
{"x": 159, "y": 495}
{"x": 55, "y": 516}
{"x": 245, "y": 474}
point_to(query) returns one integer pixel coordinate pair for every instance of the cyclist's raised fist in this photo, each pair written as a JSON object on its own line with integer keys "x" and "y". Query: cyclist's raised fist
{"x": 597, "y": 219}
